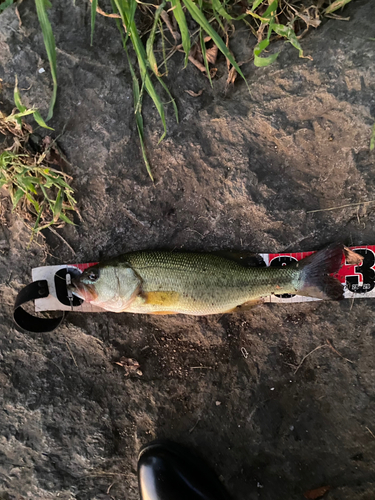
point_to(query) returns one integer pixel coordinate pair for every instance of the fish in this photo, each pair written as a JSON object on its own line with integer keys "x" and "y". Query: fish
{"x": 198, "y": 284}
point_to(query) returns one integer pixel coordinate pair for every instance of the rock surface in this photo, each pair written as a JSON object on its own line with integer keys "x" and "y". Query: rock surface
{"x": 240, "y": 171}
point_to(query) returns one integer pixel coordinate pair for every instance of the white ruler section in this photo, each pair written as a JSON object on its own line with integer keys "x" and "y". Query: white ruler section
{"x": 51, "y": 303}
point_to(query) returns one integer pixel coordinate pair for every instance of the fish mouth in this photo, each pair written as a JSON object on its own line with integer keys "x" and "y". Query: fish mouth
{"x": 76, "y": 292}
{"x": 82, "y": 291}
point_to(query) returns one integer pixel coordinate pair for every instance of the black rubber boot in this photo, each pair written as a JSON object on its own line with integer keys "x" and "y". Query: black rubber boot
{"x": 169, "y": 471}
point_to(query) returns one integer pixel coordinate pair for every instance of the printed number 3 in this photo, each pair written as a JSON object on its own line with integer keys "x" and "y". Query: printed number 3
{"x": 367, "y": 272}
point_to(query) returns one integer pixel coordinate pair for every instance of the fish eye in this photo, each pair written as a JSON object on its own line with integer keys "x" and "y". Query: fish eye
{"x": 93, "y": 276}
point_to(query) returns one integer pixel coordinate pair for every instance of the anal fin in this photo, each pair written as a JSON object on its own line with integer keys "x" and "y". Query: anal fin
{"x": 329, "y": 288}
{"x": 246, "y": 306}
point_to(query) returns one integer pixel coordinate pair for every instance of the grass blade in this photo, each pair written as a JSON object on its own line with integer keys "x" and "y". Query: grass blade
{"x": 36, "y": 225}
{"x": 17, "y": 97}
{"x": 181, "y": 21}
{"x": 126, "y": 12}
{"x": 199, "y": 17}
{"x": 163, "y": 38}
{"x": 203, "y": 49}
{"x": 256, "y": 4}
{"x": 38, "y": 118}
{"x": 94, "y": 4}
{"x": 261, "y": 62}
{"x": 58, "y": 206}
{"x": 118, "y": 23}
{"x": 218, "y": 7}
{"x": 17, "y": 197}
{"x": 137, "y": 96}
{"x": 49, "y": 42}
{"x": 372, "y": 141}
{"x": 142, "y": 61}
{"x": 29, "y": 184}
{"x": 268, "y": 15}
{"x": 26, "y": 112}
{"x": 172, "y": 99}
{"x": 218, "y": 20}
{"x": 337, "y": 4}
{"x": 66, "y": 219}
{"x": 287, "y": 32}
{"x": 271, "y": 11}
{"x": 127, "y": 17}
{"x": 150, "y": 41}
{"x": 33, "y": 202}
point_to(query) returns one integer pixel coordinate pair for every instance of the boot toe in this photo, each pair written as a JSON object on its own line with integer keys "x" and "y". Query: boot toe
{"x": 168, "y": 471}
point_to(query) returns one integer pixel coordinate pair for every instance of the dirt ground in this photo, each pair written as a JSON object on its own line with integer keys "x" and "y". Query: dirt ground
{"x": 239, "y": 171}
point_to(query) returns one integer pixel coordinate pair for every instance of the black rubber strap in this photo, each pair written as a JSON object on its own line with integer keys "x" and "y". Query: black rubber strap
{"x": 30, "y": 323}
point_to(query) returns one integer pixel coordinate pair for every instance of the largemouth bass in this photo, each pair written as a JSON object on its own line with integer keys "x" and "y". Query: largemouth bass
{"x": 156, "y": 282}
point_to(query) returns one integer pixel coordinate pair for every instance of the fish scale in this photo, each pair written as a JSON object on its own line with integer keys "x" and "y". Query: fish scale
{"x": 206, "y": 283}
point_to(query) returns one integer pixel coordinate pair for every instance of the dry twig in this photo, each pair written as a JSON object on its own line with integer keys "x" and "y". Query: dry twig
{"x": 341, "y": 206}
{"x": 307, "y": 355}
{"x": 72, "y": 355}
{"x": 337, "y": 352}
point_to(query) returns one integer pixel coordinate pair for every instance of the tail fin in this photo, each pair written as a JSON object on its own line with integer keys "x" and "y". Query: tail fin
{"x": 315, "y": 270}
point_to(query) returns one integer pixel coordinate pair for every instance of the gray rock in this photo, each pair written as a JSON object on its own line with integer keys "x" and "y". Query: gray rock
{"x": 240, "y": 171}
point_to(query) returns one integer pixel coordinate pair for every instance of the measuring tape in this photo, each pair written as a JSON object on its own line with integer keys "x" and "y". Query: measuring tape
{"x": 49, "y": 287}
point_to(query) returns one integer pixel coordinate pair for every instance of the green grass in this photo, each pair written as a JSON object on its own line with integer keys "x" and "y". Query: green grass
{"x": 24, "y": 111}
{"x": 214, "y": 18}
{"x": 49, "y": 42}
{"x": 42, "y": 193}
{"x": 41, "y": 190}
{"x": 372, "y": 140}
{"x": 4, "y": 4}
{"x": 268, "y": 20}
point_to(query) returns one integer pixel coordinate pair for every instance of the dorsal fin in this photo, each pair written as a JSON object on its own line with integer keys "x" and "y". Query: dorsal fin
{"x": 245, "y": 259}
